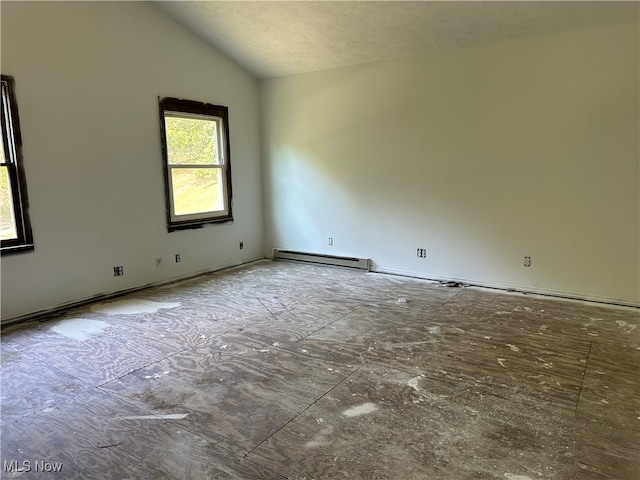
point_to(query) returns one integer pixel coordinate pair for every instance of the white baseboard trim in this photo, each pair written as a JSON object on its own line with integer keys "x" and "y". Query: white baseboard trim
{"x": 322, "y": 258}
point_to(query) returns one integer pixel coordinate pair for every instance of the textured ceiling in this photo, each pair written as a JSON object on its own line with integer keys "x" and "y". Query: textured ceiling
{"x": 278, "y": 38}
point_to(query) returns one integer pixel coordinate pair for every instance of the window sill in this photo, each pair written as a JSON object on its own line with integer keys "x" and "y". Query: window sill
{"x": 197, "y": 223}
{"x": 17, "y": 249}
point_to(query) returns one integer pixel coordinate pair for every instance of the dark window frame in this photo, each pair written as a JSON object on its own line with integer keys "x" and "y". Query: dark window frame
{"x": 190, "y": 107}
{"x": 12, "y": 147}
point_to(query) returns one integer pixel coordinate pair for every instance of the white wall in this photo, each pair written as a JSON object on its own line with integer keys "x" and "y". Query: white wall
{"x": 481, "y": 155}
{"x": 88, "y": 76}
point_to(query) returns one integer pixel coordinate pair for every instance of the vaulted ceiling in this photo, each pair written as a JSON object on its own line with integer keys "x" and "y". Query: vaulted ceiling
{"x": 278, "y": 38}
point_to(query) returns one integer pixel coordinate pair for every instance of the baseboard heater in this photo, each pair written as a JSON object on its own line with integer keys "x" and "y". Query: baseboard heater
{"x": 362, "y": 263}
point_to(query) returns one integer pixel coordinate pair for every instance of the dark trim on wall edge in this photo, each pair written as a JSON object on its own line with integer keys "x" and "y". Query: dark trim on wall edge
{"x": 47, "y": 314}
{"x": 559, "y": 296}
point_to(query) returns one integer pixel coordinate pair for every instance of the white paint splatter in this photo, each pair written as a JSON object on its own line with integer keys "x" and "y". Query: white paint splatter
{"x": 516, "y": 477}
{"x": 503, "y": 312}
{"x": 321, "y": 438}
{"x": 519, "y": 309}
{"x": 513, "y": 347}
{"x": 265, "y": 350}
{"x": 304, "y": 351}
{"x": 501, "y": 362}
{"x": 79, "y": 328}
{"x": 487, "y": 337}
{"x": 453, "y": 330}
{"x": 276, "y": 344}
{"x": 413, "y": 383}
{"x": 435, "y": 329}
{"x": 627, "y": 326}
{"x": 131, "y": 307}
{"x": 170, "y": 416}
{"x": 360, "y": 410}
{"x": 155, "y": 375}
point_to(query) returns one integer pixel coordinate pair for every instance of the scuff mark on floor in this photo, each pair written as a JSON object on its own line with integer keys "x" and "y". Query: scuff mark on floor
{"x": 169, "y": 416}
{"x": 516, "y": 477}
{"x": 108, "y": 445}
{"x": 363, "y": 409}
{"x": 453, "y": 330}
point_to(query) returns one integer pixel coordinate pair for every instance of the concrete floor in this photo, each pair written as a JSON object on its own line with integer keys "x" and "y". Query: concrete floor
{"x": 290, "y": 370}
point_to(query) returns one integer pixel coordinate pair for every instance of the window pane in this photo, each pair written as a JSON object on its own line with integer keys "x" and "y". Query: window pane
{"x": 197, "y": 190}
{"x": 8, "y": 229}
{"x": 191, "y": 141}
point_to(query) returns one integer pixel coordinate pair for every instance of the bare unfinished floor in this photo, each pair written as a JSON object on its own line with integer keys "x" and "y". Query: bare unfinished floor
{"x": 290, "y": 370}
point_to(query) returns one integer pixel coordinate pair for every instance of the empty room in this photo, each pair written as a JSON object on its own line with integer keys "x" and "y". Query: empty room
{"x": 318, "y": 240}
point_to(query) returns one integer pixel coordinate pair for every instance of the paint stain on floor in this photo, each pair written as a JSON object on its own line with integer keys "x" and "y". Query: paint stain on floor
{"x": 283, "y": 370}
{"x": 131, "y": 307}
{"x": 79, "y": 328}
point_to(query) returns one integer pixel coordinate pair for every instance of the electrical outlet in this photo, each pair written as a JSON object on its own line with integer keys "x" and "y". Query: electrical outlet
{"x": 330, "y": 240}
{"x": 158, "y": 262}
{"x": 241, "y": 245}
{"x": 421, "y": 253}
{"x": 118, "y": 271}
{"x": 177, "y": 258}
{"x": 527, "y": 261}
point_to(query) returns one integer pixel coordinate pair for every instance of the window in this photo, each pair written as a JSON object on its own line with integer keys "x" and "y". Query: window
{"x": 195, "y": 148}
{"x": 15, "y": 230}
